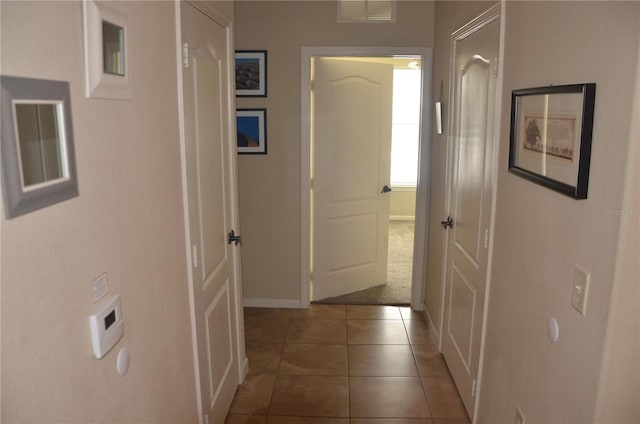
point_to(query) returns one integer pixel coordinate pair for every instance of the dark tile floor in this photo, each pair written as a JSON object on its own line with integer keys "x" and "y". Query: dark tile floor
{"x": 337, "y": 364}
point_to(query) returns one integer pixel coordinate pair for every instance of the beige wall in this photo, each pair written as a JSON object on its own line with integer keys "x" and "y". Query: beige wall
{"x": 127, "y": 221}
{"x": 619, "y": 391}
{"x": 541, "y": 235}
{"x": 450, "y": 15}
{"x": 402, "y": 204}
{"x": 270, "y": 185}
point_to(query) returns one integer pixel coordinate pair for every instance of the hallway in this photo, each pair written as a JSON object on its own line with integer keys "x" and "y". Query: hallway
{"x": 337, "y": 364}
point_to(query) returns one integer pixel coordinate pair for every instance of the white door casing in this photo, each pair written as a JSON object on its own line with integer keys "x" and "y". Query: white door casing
{"x": 474, "y": 86}
{"x": 209, "y": 181}
{"x": 351, "y": 164}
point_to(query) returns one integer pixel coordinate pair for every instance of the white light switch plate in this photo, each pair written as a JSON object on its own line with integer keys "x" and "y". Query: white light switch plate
{"x": 580, "y": 291}
{"x": 100, "y": 287}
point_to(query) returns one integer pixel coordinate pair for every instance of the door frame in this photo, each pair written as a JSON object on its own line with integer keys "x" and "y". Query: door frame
{"x": 236, "y": 285}
{"x": 496, "y": 12}
{"x": 424, "y": 168}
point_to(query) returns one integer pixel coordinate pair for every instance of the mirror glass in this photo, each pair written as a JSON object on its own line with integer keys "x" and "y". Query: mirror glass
{"x": 113, "y": 48}
{"x": 39, "y": 142}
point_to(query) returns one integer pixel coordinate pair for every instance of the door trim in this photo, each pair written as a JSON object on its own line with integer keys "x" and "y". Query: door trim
{"x": 236, "y": 284}
{"x": 422, "y": 190}
{"x": 496, "y": 12}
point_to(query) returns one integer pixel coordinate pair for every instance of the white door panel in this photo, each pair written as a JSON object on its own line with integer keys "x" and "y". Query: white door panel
{"x": 462, "y": 304}
{"x": 351, "y": 139}
{"x": 359, "y": 248}
{"x": 219, "y": 343}
{"x": 208, "y": 149}
{"x": 474, "y": 85}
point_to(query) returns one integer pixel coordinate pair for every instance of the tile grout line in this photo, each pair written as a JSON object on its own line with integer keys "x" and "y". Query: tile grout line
{"x": 420, "y": 377}
{"x": 346, "y": 322}
{"x": 273, "y": 390}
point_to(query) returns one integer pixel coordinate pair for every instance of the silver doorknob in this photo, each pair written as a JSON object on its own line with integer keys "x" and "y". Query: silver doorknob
{"x": 234, "y": 238}
{"x": 447, "y": 224}
{"x": 386, "y": 189}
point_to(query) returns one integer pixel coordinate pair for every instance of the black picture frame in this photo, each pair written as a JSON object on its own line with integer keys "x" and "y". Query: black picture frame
{"x": 551, "y": 134}
{"x": 251, "y": 125}
{"x": 251, "y": 73}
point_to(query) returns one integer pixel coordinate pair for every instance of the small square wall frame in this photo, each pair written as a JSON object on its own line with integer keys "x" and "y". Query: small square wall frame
{"x": 36, "y": 144}
{"x": 107, "y": 51}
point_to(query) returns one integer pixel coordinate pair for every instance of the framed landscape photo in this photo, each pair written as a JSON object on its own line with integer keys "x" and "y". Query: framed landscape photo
{"x": 252, "y": 131}
{"x": 550, "y": 141}
{"x": 251, "y": 73}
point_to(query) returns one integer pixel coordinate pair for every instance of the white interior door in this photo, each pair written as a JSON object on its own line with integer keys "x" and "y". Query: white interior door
{"x": 351, "y": 139}
{"x": 210, "y": 181}
{"x": 474, "y": 79}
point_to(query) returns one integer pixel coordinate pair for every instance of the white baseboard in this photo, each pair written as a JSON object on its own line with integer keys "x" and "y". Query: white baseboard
{"x": 256, "y": 302}
{"x": 245, "y": 369}
{"x": 432, "y": 328}
{"x": 401, "y": 218}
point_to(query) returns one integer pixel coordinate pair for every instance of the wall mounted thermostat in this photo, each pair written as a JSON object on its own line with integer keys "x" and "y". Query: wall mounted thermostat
{"x": 107, "y": 327}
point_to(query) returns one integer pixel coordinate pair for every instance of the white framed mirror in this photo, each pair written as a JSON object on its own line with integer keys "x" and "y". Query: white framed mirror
{"x": 106, "y": 51}
{"x": 113, "y": 54}
{"x": 38, "y": 157}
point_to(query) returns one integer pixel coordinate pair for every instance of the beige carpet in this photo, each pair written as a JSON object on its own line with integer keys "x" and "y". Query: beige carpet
{"x": 397, "y": 290}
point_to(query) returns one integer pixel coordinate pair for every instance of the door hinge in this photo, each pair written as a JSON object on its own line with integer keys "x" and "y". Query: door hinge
{"x": 486, "y": 238}
{"x": 495, "y": 67}
{"x": 185, "y": 55}
{"x": 473, "y": 388}
{"x": 312, "y": 84}
{"x": 194, "y": 256}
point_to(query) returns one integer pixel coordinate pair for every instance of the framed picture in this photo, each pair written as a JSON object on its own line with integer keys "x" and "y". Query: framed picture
{"x": 36, "y": 146}
{"x": 251, "y": 73}
{"x": 106, "y": 51}
{"x": 252, "y": 131}
{"x": 550, "y": 141}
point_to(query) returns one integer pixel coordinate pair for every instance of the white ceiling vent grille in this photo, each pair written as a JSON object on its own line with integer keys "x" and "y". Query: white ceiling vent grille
{"x": 366, "y": 11}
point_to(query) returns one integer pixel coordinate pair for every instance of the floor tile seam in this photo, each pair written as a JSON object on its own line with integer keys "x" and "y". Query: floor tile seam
{"x": 346, "y": 324}
{"x": 273, "y": 389}
{"x": 374, "y": 319}
{"x": 384, "y": 376}
{"x": 312, "y": 375}
{"x": 415, "y": 362}
{"x": 415, "y": 359}
{"x": 305, "y": 416}
{"x": 424, "y": 389}
{"x": 316, "y": 343}
{"x": 422, "y": 380}
{"x": 307, "y": 318}
{"x": 379, "y": 344}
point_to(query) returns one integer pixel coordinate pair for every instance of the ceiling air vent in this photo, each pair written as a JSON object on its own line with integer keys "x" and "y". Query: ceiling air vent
{"x": 366, "y": 11}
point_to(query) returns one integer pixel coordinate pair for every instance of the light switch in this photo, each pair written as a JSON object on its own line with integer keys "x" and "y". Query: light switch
{"x": 581, "y": 279}
{"x": 100, "y": 287}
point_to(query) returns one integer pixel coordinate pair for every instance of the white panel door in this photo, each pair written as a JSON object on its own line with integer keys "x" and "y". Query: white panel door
{"x": 474, "y": 80}
{"x": 351, "y": 139}
{"x": 210, "y": 181}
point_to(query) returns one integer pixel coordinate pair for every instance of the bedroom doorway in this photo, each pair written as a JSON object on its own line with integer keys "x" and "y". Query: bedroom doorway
{"x": 364, "y": 255}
